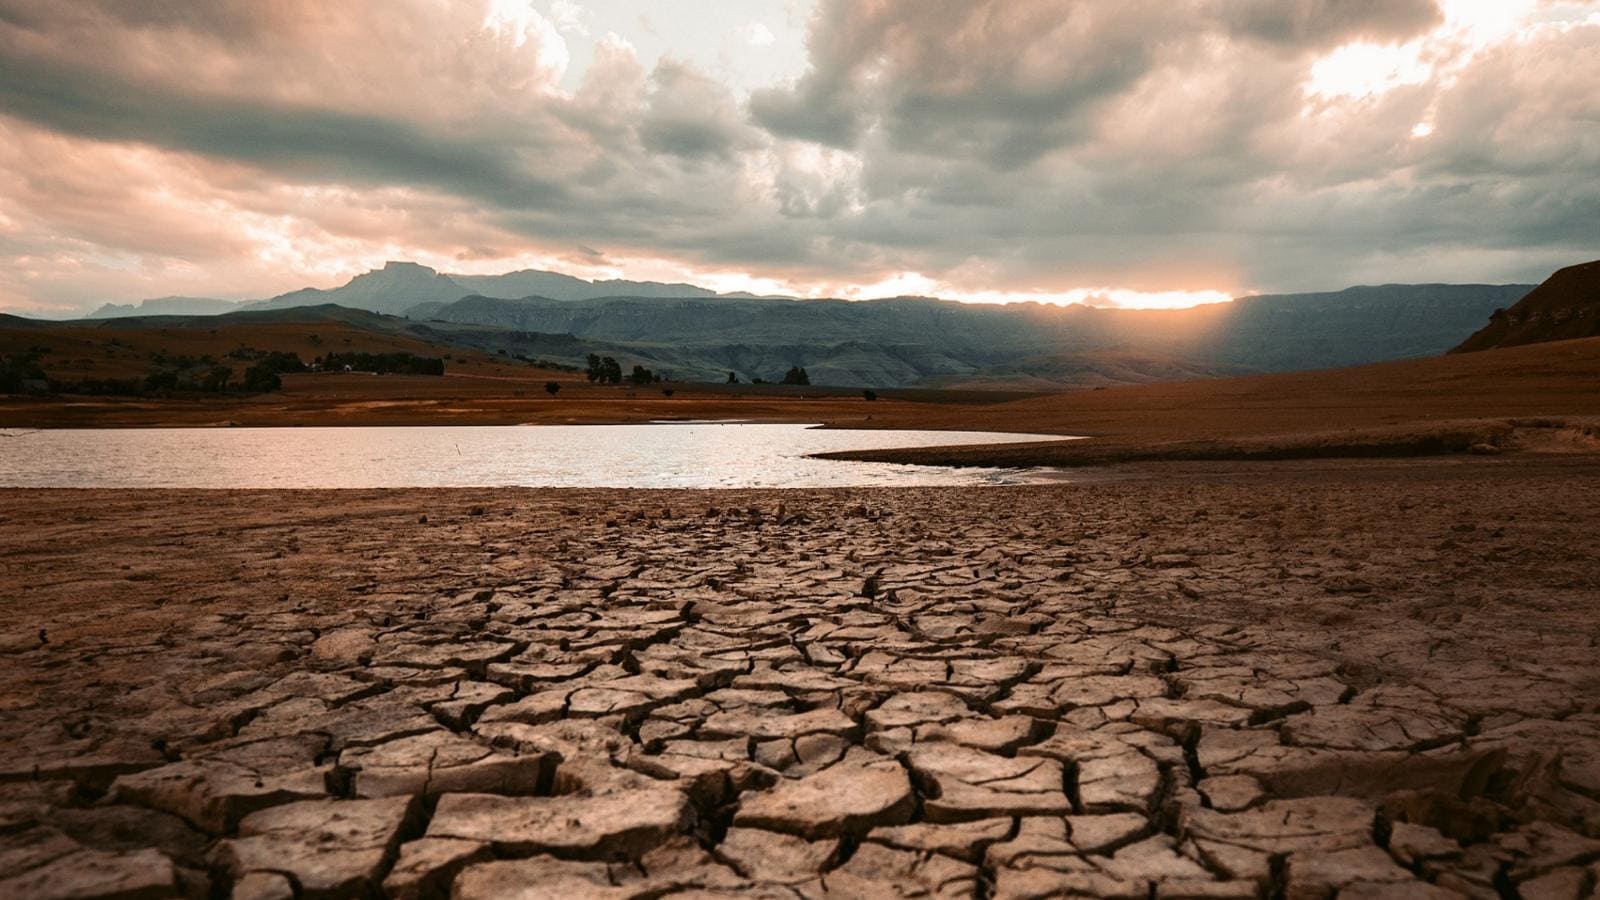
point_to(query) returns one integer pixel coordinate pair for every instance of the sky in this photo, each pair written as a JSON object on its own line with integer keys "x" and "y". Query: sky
{"x": 1121, "y": 152}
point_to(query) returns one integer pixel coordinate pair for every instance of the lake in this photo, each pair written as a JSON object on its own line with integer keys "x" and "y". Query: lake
{"x": 675, "y": 455}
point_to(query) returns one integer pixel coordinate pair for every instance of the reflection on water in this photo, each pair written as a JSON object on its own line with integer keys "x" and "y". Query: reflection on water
{"x": 686, "y": 455}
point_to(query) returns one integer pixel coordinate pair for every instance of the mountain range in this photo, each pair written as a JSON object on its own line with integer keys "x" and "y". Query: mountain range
{"x": 406, "y": 288}
{"x": 693, "y": 333}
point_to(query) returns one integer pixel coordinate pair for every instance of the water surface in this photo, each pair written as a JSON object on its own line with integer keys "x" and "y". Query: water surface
{"x": 679, "y": 455}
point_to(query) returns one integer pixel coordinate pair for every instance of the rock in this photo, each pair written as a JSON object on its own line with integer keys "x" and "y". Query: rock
{"x": 767, "y": 856}
{"x": 902, "y": 710}
{"x": 1326, "y": 874}
{"x": 846, "y": 798}
{"x": 80, "y": 873}
{"x": 606, "y": 826}
{"x": 347, "y": 646}
{"x": 262, "y": 886}
{"x": 330, "y": 848}
{"x": 1111, "y": 774}
{"x": 965, "y": 841}
{"x": 543, "y": 878}
{"x": 441, "y": 762}
{"x": 965, "y": 784}
{"x": 427, "y": 867}
{"x": 128, "y": 828}
{"x": 1100, "y": 834}
{"x": 1231, "y": 793}
{"x": 1003, "y": 735}
{"x": 215, "y": 791}
{"x": 1241, "y": 844}
{"x": 763, "y": 725}
{"x": 879, "y": 871}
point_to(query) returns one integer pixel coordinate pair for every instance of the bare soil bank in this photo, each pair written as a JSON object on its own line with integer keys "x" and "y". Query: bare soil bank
{"x": 1544, "y": 397}
{"x": 1375, "y": 678}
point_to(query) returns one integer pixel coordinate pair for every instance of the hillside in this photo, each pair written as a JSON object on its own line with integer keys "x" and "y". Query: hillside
{"x": 1565, "y": 306}
{"x": 905, "y": 341}
{"x": 134, "y": 347}
{"x": 695, "y": 334}
{"x": 1505, "y": 397}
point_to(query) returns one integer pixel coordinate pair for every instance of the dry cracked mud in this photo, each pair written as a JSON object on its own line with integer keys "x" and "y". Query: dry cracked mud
{"x": 1352, "y": 680}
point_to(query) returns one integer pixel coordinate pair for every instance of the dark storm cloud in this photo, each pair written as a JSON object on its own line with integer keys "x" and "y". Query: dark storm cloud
{"x": 690, "y": 116}
{"x": 317, "y": 144}
{"x": 1325, "y": 23}
{"x": 1152, "y": 144}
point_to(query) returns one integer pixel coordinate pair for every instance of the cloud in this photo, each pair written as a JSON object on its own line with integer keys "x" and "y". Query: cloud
{"x": 757, "y": 34}
{"x": 1326, "y": 23}
{"x": 993, "y": 146}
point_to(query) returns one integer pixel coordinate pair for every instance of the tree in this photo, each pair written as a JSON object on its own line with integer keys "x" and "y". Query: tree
{"x": 641, "y": 375}
{"x": 261, "y": 377}
{"x": 593, "y": 368}
{"x": 17, "y": 371}
{"x": 869, "y": 394}
{"x": 161, "y": 381}
{"x": 216, "y": 381}
{"x": 551, "y": 387}
{"x": 610, "y": 370}
{"x": 796, "y": 375}
{"x": 732, "y": 378}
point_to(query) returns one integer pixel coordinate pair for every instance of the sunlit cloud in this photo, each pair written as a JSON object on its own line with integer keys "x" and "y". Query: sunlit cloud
{"x": 1147, "y": 153}
{"x": 914, "y": 284}
{"x": 1363, "y": 70}
{"x": 757, "y": 34}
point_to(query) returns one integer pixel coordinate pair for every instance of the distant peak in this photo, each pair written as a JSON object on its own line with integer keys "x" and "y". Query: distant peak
{"x": 404, "y": 267}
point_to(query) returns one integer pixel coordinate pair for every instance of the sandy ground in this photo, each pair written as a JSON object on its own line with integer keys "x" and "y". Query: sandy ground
{"x": 1200, "y": 680}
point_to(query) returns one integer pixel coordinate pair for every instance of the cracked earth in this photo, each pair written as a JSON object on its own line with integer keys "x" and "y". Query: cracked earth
{"x": 1359, "y": 680}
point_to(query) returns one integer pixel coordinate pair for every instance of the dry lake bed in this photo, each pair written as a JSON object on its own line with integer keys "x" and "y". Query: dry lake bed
{"x": 1295, "y": 679}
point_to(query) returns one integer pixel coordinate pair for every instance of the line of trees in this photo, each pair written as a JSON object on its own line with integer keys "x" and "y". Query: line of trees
{"x": 397, "y": 363}
{"x": 17, "y": 370}
{"x": 606, "y": 370}
{"x": 603, "y": 369}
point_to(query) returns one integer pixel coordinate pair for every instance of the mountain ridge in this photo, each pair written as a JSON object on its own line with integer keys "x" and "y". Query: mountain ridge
{"x": 1564, "y": 307}
{"x": 693, "y": 333}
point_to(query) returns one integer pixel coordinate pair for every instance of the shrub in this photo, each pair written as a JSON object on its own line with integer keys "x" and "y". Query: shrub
{"x": 551, "y": 387}
{"x": 261, "y": 378}
{"x": 869, "y": 394}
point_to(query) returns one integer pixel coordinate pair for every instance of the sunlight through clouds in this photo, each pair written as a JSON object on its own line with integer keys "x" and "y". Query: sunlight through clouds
{"x": 1147, "y": 152}
{"x": 1363, "y": 70}
{"x": 519, "y": 22}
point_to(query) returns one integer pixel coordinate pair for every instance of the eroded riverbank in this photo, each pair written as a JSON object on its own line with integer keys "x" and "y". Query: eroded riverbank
{"x": 1221, "y": 681}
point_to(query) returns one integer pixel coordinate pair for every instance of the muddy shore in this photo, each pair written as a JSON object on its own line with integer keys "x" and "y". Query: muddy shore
{"x": 1199, "y": 680}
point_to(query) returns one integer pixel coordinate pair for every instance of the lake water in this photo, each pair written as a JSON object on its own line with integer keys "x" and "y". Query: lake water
{"x": 677, "y": 455}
